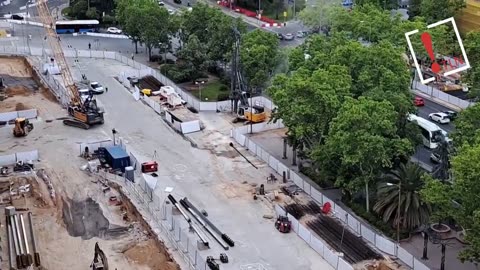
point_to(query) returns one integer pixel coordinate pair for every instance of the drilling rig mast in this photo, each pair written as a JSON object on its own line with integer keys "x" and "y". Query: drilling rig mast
{"x": 84, "y": 112}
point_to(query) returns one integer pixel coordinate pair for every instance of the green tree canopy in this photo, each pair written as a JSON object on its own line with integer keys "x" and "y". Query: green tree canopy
{"x": 437, "y": 10}
{"x": 319, "y": 14}
{"x": 194, "y": 53}
{"x": 258, "y": 56}
{"x": 467, "y": 126}
{"x": 472, "y": 49}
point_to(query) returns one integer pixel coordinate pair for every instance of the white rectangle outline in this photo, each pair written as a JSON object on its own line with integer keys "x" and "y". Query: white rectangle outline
{"x": 419, "y": 71}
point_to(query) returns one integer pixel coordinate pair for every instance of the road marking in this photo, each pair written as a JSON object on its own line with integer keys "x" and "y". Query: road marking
{"x": 31, "y": 5}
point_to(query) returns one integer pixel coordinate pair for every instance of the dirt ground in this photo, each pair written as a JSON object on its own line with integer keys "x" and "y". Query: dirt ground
{"x": 14, "y": 66}
{"x": 80, "y": 214}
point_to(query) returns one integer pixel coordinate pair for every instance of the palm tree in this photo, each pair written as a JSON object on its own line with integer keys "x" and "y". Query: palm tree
{"x": 402, "y": 186}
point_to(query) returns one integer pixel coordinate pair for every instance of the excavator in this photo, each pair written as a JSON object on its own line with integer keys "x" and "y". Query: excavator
{"x": 22, "y": 127}
{"x": 83, "y": 114}
{"x": 99, "y": 259}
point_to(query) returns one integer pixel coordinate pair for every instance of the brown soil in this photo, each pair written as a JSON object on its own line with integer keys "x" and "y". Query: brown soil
{"x": 14, "y": 66}
{"x": 147, "y": 252}
{"x": 48, "y": 94}
{"x": 20, "y": 107}
{"x": 18, "y": 90}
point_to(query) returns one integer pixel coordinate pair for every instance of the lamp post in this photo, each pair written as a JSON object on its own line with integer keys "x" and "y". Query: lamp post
{"x": 199, "y": 83}
{"x": 398, "y": 208}
{"x": 113, "y": 133}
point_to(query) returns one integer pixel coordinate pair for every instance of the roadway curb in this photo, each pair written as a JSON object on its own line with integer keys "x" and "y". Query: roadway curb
{"x": 438, "y": 101}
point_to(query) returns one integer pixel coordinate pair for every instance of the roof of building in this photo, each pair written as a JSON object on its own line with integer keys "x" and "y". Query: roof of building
{"x": 116, "y": 151}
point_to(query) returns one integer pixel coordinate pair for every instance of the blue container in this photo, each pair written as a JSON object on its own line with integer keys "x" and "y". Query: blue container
{"x": 117, "y": 158}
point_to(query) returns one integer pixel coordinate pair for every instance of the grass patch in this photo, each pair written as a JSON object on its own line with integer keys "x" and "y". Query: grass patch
{"x": 210, "y": 91}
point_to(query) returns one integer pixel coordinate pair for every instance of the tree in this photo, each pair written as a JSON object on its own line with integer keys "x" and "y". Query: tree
{"x": 130, "y": 15}
{"x": 197, "y": 21}
{"x": 439, "y": 196}
{"x": 472, "y": 49}
{"x": 79, "y": 9}
{"x": 414, "y": 7}
{"x": 220, "y": 44}
{"x": 362, "y": 141}
{"x": 156, "y": 27}
{"x": 437, "y": 10}
{"x": 305, "y": 96}
{"x": 402, "y": 185}
{"x": 194, "y": 53}
{"x": 467, "y": 126}
{"x": 258, "y": 57}
{"x": 92, "y": 13}
{"x": 318, "y": 15}
{"x": 384, "y": 4}
{"x": 443, "y": 151}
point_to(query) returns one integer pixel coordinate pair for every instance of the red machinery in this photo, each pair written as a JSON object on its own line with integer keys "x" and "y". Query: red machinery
{"x": 149, "y": 166}
{"x": 283, "y": 225}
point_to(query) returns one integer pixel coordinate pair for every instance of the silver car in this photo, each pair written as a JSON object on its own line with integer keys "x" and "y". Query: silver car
{"x": 288, "y": 36}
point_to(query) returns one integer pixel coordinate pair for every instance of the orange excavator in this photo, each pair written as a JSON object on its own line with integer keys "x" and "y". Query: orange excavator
{"x": 84, "y": 113}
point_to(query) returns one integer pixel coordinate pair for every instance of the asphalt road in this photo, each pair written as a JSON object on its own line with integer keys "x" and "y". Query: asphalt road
{"x": 19, "y": 7}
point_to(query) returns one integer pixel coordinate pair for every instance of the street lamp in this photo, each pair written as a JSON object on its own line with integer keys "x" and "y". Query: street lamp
{"x": 199, "y": 83}
{"x": 398, "y": 209}
{"x": 369, "y": 33}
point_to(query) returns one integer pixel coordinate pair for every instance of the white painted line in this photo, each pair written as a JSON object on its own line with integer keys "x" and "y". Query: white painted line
{"x": 31, "y": 5}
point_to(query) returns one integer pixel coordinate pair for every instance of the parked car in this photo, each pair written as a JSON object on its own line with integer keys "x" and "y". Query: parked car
{"x": 451, "y": 114}
{"x": 280, "y": 36}
{"x": 96, "y": 88}
{"x": 114, "y": 30}
{"x": 177, "y": 2}
{"x": 16, "y": 17}
{"x": 418, "y": 101}
{"x": 302, "y": 34}
{"x": 171, "y": 11}
{"x": 161, "y": 3}
{"x": 288, "y": 36}
{"x": 439, "y": 117}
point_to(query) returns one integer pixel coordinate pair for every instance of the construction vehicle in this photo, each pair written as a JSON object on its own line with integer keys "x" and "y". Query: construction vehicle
{"x": 283, "y": 225}
{"x": 83, "y": 114}
{"x": 22, "y": 127}
{"x": 99, "y": 259}
{"x": 242, "y": 109}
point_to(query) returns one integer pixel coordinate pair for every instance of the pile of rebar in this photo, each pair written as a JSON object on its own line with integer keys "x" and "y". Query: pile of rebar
{"x": 149, "y": 82}
{"x": 342, "y": 240}
{"x": 300, "y": 210}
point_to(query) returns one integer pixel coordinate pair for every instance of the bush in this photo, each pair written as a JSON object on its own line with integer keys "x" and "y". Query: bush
{"x": 223, "y": 88}
{"x": 223, "y": 96}
{"x": 108, "y": 19}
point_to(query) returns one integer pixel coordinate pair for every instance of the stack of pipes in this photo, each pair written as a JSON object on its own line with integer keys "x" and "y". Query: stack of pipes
{"x": 18, "y": 242}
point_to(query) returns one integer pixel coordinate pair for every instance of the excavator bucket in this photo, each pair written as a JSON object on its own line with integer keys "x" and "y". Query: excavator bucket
{"x": 22, "y": 127}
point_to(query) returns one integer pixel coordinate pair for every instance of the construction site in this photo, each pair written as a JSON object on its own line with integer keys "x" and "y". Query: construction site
{"x": 94, "y": 179}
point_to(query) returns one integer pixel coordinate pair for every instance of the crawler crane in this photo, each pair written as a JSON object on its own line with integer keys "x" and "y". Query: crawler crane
{"x": 84, "y": 113}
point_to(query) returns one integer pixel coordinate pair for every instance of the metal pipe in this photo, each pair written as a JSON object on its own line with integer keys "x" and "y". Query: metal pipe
{"x": 36, "y": 255}
{"x": 199, "y": 219}
{"x": 15, "y": 242}
{"x": 225, "y": 237}
{"x": 187, "y": 218}
{"x": 20, "y": 242}
{"x": 9, "y": 242}
{"x": 233, "y": 146}
{"x": 25, "y": 240}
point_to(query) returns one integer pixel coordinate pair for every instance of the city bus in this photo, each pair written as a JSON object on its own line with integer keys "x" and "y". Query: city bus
{"x": 431, "y": 133}
{"x": 78, "y": 26}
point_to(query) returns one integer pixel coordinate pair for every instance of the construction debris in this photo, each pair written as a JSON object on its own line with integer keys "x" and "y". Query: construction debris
{"x": 42, "y": 174}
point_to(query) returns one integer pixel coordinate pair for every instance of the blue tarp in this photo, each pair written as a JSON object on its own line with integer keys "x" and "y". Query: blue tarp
{"x": 117, "y": 158}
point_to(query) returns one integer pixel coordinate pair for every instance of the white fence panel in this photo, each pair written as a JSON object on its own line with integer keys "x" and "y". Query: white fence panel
{"x": 241, "y": 140}
{"x": 273, "y": 163}
{"x": 368, "y": 234}
{"x": 384, "y": 245}
{"x": 307, "y": 188}
{"x": 354, "y": 224}
{"x": 343, "y": 265}
{"x": 296, "y": 179}
{"x": 294, "y": 223}
{"x": 340, "y": 213}
{"x": 7, "y": 116}
{"x": 29, "y": 114}
{"x": 265, "y": 156}
{"x": 330, "y": 257}
{"x": 417, "y": 265}
{"x": 405, "y": 256}
{"x": 279, "y": 210}
{"x": 317, "y": 196}
{"x": 110, "y": 55}
{"x": 316, "y": 244}
{"x": 177, "y": 231}
{"x": 252, "y": 147}
{"x": 200, "y": 263}
{"x": 25, "y": 156}
{"x": 208, "y": 106}
{"x": 83, "y": 53}
{"x": 97, "y": 54}
{"x": 282, "y": 168}
{"x": 7, "y": 160}
{"x": 304, "y": 233}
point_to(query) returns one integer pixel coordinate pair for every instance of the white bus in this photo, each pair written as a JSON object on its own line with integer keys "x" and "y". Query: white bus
{"x": 431, "y": 133}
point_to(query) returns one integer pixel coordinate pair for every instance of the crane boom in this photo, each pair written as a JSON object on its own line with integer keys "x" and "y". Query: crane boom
{"x": 57, "y": 51}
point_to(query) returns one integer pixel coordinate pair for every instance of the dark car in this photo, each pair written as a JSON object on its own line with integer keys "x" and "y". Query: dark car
{"x": 177, "y": 2}
{"x": 280, "y": 36}
{"x": 16, "y": 17}
{"x": 451, "y": 114}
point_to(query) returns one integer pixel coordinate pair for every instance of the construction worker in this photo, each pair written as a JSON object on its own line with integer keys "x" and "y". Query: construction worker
{"x": 106, "y": 89}
{"x": 89, "y": 46}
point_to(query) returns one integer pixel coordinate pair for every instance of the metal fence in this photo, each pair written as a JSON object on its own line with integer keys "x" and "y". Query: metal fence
{"x": 29, "y": 114}
{"x": 350, "y": 220}
{"x": 435, "y": 93}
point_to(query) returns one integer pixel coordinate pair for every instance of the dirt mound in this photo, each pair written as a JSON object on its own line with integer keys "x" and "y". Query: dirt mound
{"x": 146, "y": 252}
{"x": 84, "y": 219}
{"x": 18, "y": 90}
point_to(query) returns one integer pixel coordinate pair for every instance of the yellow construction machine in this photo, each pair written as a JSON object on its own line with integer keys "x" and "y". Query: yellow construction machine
{"x": 22, "y": 127}
{"x": 249, "y": 113}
